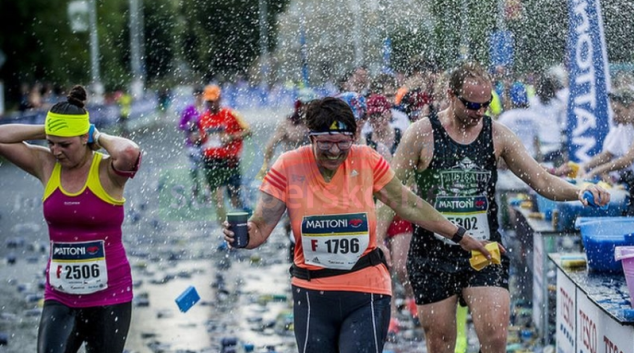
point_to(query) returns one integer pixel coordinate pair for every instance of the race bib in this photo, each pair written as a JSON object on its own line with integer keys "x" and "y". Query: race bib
{"x": 469, "y": 212}
{"x": 78, "y": 268}
{"x": 335, "y": 241}
{"x": 213, "y": 138}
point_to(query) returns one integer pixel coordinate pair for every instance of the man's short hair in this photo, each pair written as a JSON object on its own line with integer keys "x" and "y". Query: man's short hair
{"x": 464, "y": 72}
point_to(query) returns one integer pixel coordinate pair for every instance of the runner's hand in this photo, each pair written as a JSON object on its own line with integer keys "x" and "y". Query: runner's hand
{"x": 468, "y": 243}
{"x": 601, "y": 196}
{"x": 228, "y": 234}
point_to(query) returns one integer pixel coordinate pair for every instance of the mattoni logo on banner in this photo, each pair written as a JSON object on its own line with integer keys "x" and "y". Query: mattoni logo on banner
{"x": 588, "y": 117}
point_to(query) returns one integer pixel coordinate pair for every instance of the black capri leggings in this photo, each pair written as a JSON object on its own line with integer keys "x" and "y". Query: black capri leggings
{"x": 104, "y": 329}
{"x": 340, "y": 321}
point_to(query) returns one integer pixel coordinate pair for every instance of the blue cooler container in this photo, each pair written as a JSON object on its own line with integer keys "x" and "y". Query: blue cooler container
{"x": 600, "y": 235}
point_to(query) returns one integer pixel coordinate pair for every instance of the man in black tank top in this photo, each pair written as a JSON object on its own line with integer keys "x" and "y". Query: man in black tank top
{"x": 453, "y": 157}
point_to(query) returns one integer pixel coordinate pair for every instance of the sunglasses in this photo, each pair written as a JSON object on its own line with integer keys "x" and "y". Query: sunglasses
{"x": 327, "y": 145}
{"x": 474, "y": 106}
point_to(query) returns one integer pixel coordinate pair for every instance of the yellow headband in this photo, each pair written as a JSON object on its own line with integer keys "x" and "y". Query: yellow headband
{"x": 66, "y": 125}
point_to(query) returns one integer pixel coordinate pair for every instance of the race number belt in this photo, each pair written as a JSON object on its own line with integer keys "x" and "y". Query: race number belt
{"x": 470, "y": 212}
{"x": 78, "y": 268}
{"x": 335, "y": 241}
{"x": 373, "y": 258}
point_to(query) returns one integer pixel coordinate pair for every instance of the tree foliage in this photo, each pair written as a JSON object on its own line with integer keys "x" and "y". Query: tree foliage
{"x": 221, "y": 38}
{"x": 211, "y": 38}
{"x": 39, "y": 44}
{"x": 203, "y": 40}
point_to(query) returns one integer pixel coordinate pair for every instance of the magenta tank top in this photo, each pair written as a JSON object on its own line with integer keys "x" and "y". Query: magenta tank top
{"x": 87, "y": 264}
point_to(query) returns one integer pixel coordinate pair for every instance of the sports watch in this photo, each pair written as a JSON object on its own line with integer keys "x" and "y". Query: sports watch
{"x": 459, "y": 235}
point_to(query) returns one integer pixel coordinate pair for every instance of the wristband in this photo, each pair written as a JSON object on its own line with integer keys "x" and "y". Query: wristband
{"x": 91, "y": 131}
{"x": 459, "y": 235}
{"x": 96, "y": 139}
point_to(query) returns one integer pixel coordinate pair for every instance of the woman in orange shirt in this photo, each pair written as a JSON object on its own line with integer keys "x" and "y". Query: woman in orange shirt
{"x": 341, "y": 284}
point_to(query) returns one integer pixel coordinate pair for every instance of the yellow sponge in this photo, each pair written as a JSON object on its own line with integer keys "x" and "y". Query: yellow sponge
{"x": 479, "y": 261}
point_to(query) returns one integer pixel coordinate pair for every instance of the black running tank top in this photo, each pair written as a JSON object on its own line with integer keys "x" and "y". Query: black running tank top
{"x": 460, "y": 184}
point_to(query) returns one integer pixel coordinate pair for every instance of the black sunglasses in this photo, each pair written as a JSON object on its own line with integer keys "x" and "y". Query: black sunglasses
{"x": 474, "y": 106}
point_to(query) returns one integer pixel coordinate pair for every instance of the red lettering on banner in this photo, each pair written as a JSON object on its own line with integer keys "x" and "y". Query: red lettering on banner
{"x": 567, "y": 307}
{"x": 588, "y": 332}
{"x": 611, "y": 347}
{"x": 313, "y": 244}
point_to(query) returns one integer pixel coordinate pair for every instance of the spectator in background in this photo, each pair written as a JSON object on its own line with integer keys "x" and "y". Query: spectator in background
{"x": 291, "y": 132}
{"x": 49, "y": 97}
{"x": 35, "y": 96}
{"x": 164, "y": 99}
{"x": 502, "y": 82}
{"x": 550, "y": 112}
{"x": 357, "y": 103}
{"x": 396, "y": 118}
{"x": 522, "y": 121}
{"x": 25, "y": 104}
{"x": 124, "y": 100}
{"x": 359, "y": 81}
{"x": 415, "y": 97}
{"x": 222, "y": 131}
{"x": 386, "y": 85}
{"x": 617, "y": 156}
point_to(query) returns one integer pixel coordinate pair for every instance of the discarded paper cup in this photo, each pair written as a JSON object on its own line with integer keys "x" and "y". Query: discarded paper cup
{"x": 238, "y": 225}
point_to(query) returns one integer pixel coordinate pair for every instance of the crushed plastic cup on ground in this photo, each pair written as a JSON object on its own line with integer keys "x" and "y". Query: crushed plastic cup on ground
{"x": 187, "y": 299}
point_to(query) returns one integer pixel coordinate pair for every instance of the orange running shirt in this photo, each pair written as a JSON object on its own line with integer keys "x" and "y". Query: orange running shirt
{"x": 333, "y": 223}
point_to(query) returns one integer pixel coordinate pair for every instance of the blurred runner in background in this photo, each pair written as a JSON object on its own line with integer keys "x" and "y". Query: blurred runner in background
{"x": 189, "y": 125}
{"x": 222, "y": 132}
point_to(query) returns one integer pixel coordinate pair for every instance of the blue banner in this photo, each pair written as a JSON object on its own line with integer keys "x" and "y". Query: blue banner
{"x": 588, "y": 121}
{"x": 501, "y": 45}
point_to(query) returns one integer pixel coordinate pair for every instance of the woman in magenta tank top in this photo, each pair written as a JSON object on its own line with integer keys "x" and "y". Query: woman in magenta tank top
{"x": 88, "y": 291}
